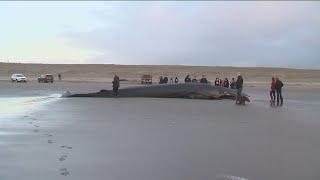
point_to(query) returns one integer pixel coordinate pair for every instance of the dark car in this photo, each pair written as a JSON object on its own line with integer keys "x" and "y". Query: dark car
{"x": 146, "y": 79}
{"x": 45, "y": 78}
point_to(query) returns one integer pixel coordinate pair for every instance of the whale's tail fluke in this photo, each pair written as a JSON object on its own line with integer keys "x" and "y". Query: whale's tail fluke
{"x": 66, "y": 94}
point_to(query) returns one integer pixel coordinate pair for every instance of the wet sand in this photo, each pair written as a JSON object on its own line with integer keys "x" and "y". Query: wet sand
{"x": 159, "y": 139}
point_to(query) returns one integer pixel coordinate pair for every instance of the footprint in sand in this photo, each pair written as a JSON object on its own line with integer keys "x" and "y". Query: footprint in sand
{"x": 48, "y": 135}
{"x": 50, "y": 141}
{"x": 36, "y": 126}
{"x": 64, "y": 171}
{"x": 35, "y": 130}
{"x": 64, "y": 146}
{"x": 25, "y": 116}
{"x": 171, "y": 124}
{"x": 30, "y": 122}
{"x": 63, "y": 157}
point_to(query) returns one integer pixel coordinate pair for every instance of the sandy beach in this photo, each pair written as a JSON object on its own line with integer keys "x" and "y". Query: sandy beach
{"x": 47, "y": 137}
{"x": 63, "y": 115}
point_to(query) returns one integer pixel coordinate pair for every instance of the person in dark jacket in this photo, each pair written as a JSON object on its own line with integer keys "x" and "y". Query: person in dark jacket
{"x": 115, "y": 84}
{"x": 226, "y": 83}
{"x": 187, "y": 79}
{"x": 165, "y": 79}
{"x": 278, "y": 87}
{"x": 239, "y": 86}
{"x": 233, "y": 84}
{"x": 203, "y": 80}
{"x": 161, "y": 80}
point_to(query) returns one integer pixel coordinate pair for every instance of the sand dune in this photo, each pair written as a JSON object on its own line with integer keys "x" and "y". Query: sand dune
{"x": 105, "y": 72}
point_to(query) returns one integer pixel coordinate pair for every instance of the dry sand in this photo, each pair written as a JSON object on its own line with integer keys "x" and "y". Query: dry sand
{"x": 46, "y": 137}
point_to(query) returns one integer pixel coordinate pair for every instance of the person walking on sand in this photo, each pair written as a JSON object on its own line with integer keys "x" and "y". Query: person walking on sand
{"x": 278, "y": 87}
{"x": 59, "y": 77}
{"x": 273, "y": 91}
{"x": 239, "y": 86}
{"x": 115, "y": 84}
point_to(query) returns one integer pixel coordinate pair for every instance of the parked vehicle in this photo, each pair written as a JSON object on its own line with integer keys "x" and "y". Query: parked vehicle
{"x": 45, "y": 78}
{"x": 18, "y": 78}
{"x": 146, "y": 79}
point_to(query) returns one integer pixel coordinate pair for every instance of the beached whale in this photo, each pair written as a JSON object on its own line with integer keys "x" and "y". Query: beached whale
{"x": 181, "y": 90}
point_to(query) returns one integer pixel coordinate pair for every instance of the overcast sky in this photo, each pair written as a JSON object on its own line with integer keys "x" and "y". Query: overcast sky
{"x": 248, "y": 33}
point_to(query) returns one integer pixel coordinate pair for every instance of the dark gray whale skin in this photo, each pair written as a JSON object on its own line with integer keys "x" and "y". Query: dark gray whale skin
{"x": 181, "y": 90}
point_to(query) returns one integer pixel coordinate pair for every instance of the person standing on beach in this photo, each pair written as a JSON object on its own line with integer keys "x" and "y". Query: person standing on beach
{"x": 165, "y": 79}
{"x": 187, "y": 79}
{"x": 203, "y": 80}
{"x": 221, "y": 82}
{"x": 226, "y": 83}
{"x": 115, "y": 84}
{"x": 217, "y": 82}
{"x": 194, "y": 80}
{"x": 59, "y": 76}
{"x": 161, "y": 80}
{"x": 278, "y": 87}
{"x": 176, "y": 80}
{"x": 273, "y": 91}
{"x": 239, "y": 86}
{"x": 233, "y": 84}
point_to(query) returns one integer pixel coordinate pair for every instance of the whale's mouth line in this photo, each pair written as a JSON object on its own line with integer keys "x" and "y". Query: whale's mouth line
{"x": 10, "y": 106}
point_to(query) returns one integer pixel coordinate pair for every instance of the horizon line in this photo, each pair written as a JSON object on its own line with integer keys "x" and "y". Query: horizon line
{"x": 266, "y": 67}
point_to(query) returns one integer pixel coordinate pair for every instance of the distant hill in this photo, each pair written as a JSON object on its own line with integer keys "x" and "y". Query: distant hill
{"x": 105, "y": 72}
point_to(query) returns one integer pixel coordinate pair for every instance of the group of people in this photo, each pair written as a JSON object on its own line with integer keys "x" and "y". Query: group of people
{"x": 187, "y": 79}
{"x": 234, "y": 84}
{"x": 225, "y": 83}
{"x": 276, "y": 92}
{"x": 218, "y": 82}
{"x": 165, "y": 79}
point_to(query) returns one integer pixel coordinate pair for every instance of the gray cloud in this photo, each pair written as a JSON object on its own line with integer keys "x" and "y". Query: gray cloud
{"x": 283, "y": 34}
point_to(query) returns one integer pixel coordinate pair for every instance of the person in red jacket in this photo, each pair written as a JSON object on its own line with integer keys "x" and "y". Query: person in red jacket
{"x": 273, "y": 91}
